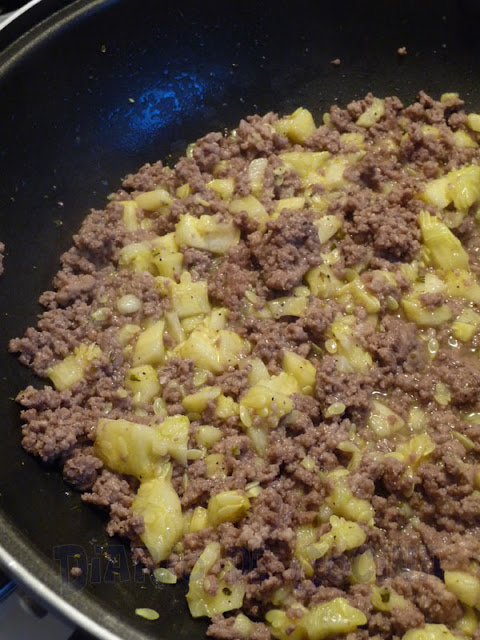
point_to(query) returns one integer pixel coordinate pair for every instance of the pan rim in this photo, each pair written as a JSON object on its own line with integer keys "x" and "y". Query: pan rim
{"x": 18, "y": 12}
{"x": 43, "y": 593}
{"x": 23, "y": 30}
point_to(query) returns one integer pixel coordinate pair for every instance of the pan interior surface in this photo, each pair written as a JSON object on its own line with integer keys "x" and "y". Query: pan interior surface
{"x": 91, "y": 92}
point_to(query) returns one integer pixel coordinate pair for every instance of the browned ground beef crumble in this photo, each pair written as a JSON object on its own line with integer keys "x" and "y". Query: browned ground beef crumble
{"x": 426, "y": 521}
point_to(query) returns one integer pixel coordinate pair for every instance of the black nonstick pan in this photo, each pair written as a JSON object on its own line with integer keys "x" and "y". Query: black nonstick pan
{"x": 89, "y": 91}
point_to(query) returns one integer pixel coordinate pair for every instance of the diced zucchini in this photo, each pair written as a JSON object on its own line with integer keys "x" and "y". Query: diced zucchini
{"x": 159, "y": 505}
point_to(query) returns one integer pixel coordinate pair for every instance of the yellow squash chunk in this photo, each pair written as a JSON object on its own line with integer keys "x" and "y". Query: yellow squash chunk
{"x": 154, "y": 200}
{"x": 288, "y": 306}
{"x": 174, "y": 430}
{"x": 414, "y": 451}
{"x": 223, "y": 186}
{"x": 442, "y": 394}
{"x": 416, "y": 312}
{"x": 343, "y": 503}
{"x": 199, "y": 520}
{"x": 343, "y": 536}
{"x": 304, "y": 162}
{"x": 465, "y": 586}
{"x": 206, "y": 435}
{"x": 463, "y": 284}
{"x": 130, "y": 448}
{"x": 282, "y": 627}
{"x": 258, "y": 371}
{"x": 73, "y": 368}
{"x": 383, "y": 421}
{"x": 417, "y": 419}
{"x": 301, "y": 369}
{"x": 139, "y": 450}
{"x": 327, "y": 227}
{"x": 143, "y": 383}
{"x": 465, "y": 189}
{"x": 343, "y": 332}
{"x": 473, "y": 121}
{"x": 174, "y": 327}
{"x": 356, "y": 139}
{"x": 149, "y": 348}
{"x": 256, "y": 174}
{"x": 165, "y": 243}
{"x": 265, "y": 403}
{"x": 460, "y": 186}
{"x": 218, "y": 319}
{"x": 190, "y": 298}
{"x": 445, "y": 248}
{"x": 465, "y": 326}
{"x": 226, "y": 407}
{"x": 126, "y": 333}
{"x": 372, "y": 114}
{"x": 216, "y": 465}
{"x": 198, "y": 402}
{"x": 227, "y": 597}
{"x": 207, "y": 232}
{"x": 297, "y": 127}
{"x": 322, "y": 282}
{"x": 183, "y": 191}
{"x": 306, "y": 536}
{"x": 463, "y": 140}
{"x": 159, "y": 505}
{"x": 363, "y": 568}
{"x": 253, "y": 207}
{"x": 431, "y": 284}
{"x": 213, "y": 350}
{"x": 429, "y": 130}
{"x": 297, "y": 202}
{"x": 437, "y": 192}
{"x": 228, "y": 506}
{"x": 129, "y": 217}
{"x": 167, "y": 263}
{"x": 269, "y": 399}
{"x": 136, "y": 256}
{"x": 360, "y": 294}
{"x": 331, "y": 618}
{"x": 243, "y": 626}
{"x": 429, "y": 632}
{"x": 333, "y": 173}
{"x": 468, "y": 623}
{"x": 192, "y": 322}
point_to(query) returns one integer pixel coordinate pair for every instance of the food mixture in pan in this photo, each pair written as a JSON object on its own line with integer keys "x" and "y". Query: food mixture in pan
{"x": 265, "y": 365}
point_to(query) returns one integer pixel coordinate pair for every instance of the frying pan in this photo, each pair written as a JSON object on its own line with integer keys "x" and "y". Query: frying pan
{"x": 89, "y": 91}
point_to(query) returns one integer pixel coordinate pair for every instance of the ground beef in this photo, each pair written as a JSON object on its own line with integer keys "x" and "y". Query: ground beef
{"x": 349, "y": 407}
{"x": 197, "y": 262}
{"x": 431, "y": 596}
{"x": 354, "y": 390}
{"x": 287, "y": 250}
{"x": 271, "y": 339}
{"x": 398, "y": 348}
{"x": 229, "y": 282}
{"x": 82, "y": 469}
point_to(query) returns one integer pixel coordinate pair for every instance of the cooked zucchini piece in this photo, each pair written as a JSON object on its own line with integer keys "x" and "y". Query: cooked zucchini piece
{"x": 159, "y": 505}
{"x": 210, "y": 233}
{"x": 73, "y": 368}
{"x": 201, "y": 602}
{"x": 445, "y": 248}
